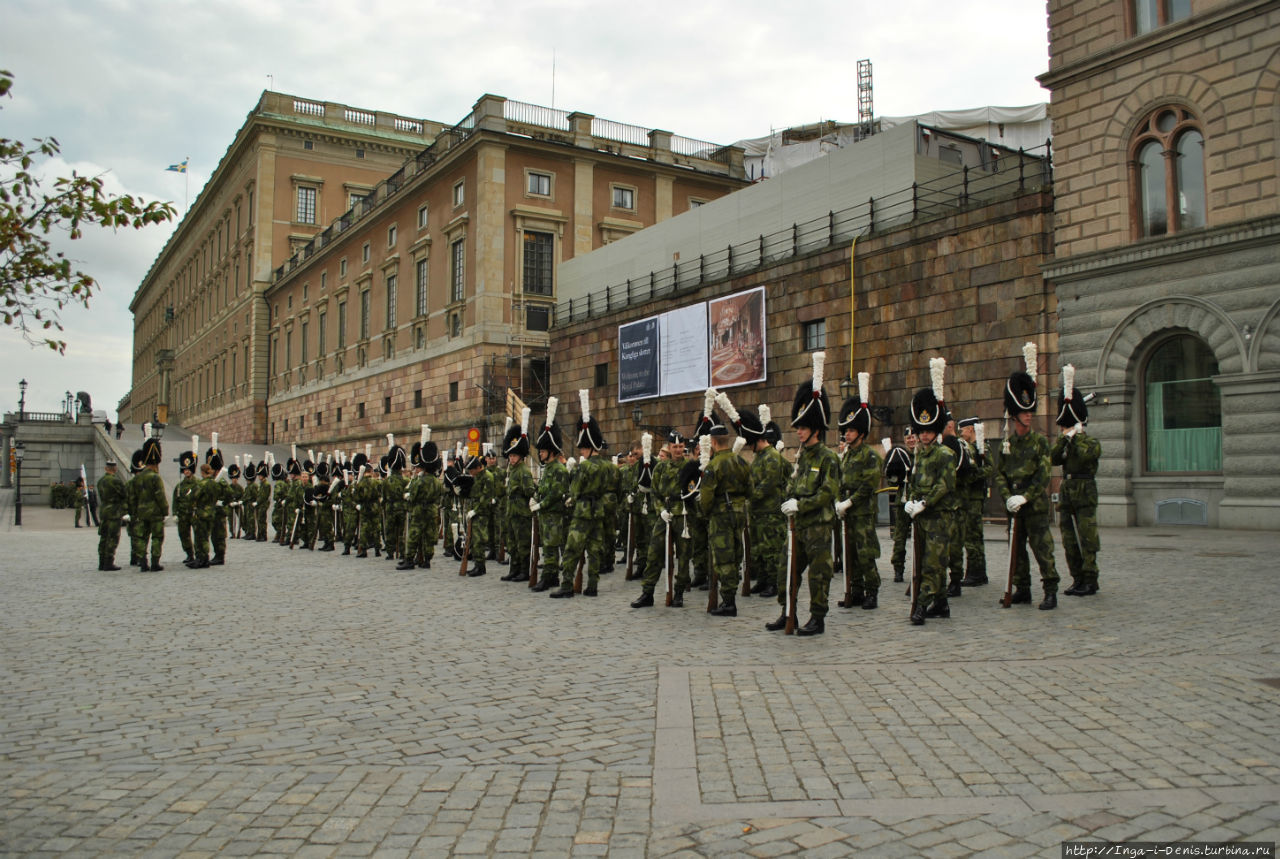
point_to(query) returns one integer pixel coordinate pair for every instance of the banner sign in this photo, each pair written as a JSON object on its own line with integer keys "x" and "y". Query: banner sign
{"x": 638, "y": 360}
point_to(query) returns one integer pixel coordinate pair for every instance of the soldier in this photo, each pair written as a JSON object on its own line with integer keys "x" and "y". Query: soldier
{"x": 665, "y": 486}
{"x": 132, "y": 521}
{"x": 321, "y": 491}
{"x": 723, "y": 498}
{"x": 393, "y": 489}
{"x": 203, "y": 506}
{"x": 857, "y": 507}
{"x": 368, "y": 498}
{"x": 150, "y": 505}
{"x": 419, "y": 497}
{"x": 767, "y": 525}
{"x": 549, "y": 503}
{"x": 262, "y": 503}
{"x": 235, "y": 495}
{"x": 111, "y": 495}
{"x": 695, "y": 522}
{"x": 249, "y": 502}
{"x": 590, "y": 537}
{"x": 955, "y": 551}
{"x": 81, "y": 501}
{"x": 644, "y": 515}
{"x": 520, "y": 490}
{"x": 479, "y": 513}
{"x": 279, "y": 489}
{"x": 496, "y": 489}
{"x": 184, "y": 499}
{"x": 220, "y": 496}
{"x": 812, "y": 496}
{"x": 897, "y": 466}
{"x": 1022, "y": 476}
{"x": 930, "y": 496}
{"x": 972, "y": 489}
{"x": 1078, "y": 453}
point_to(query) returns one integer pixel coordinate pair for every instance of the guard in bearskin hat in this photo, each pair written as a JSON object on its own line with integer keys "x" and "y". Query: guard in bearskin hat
{"x": 769, "y": 476}
{"x": 423, "y": 495}
{"x": 897, "y": 466}
{"x": 723, "y": 498}
{"x": 666, "y": 490}
{"x": 367, "y": 494}
{"x": 479, "y": 516}
{"x": 393, "y": 502}
{"x": 549, "y": 503}
{"x": 695, "y": 522}
{"x": 184, "y": 499}
{"x": 248, "y": 500}
{"x": 235, "y": 491}
{"x": 519, "y": 492}
{"x": 931, "y": 496}
{"x": 811, "y": 498}
{"x": 971, "y": 486}
{"x": 150, "y": 504}
{"x": 111, "y": 498}
{"x": 857, "y": 505}
{"x": 1022, "y": 476}
{"x": 590, "y": 542}
{"x": 1078, "y": 454}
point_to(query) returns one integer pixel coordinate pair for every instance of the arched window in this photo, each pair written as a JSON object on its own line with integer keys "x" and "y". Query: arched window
{"x": 1183, "y": 407}
{"x": 1167, "y": 173}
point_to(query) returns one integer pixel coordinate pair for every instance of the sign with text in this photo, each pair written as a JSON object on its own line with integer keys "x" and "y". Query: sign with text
{"x": 638, "y": 360}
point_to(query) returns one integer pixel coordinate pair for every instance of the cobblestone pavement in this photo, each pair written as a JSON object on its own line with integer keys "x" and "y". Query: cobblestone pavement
{"x": 318, "y": 705}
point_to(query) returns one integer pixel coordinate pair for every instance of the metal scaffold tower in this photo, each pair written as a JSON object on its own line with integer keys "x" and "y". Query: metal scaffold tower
{"x": 866, "y": 112}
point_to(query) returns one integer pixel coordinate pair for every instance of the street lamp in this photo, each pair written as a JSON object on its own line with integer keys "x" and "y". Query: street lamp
{"x": 69, "y": 408}
{"x": 22, "y": 398}
{"x": 637, "y": 415}
{"x": 18, "y": 451}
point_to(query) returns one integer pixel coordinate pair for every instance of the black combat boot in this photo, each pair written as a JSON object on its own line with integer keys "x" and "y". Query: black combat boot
{"x": 590, "y": 591}
{"x": 677, "y": 598}
{"x": 191, "y": 559}
{"x": 871, "y": 601}
{"x": 727, "y": 608}
{"x": 426, "y": 564}
{"x": 700, "y": 583}
{"x": 815, "y": 626}
{"x": 363, "y": 553}
{"x": 562, "y": 594}
{"x": 1050, "y": 602}
{"x": 644, "y": 601}
{"x": 377, "y": 551}
{"x": 775, "y": 625}
{"x": 346, "y": 548}
{"x": 217, "y": 561}
{"x": 897, "y": 574}
{"x": 1021, "y": 596}
{"x": 975, "y": 577}
{"x": 543, "y": 585}
{"x": 917, "y": 614}
{"x": 477, "y": 569}
{"x": 953, "y": 590}
{"x": 142, "y": 566}
{"x": 1076, "y": 589}
{"x": 1089, "y": 589}
{"x": 108, "y": 566}
{"x": 405, "y": 564}
{"x": 770, "y": 591}
{"x": 938, "y": 609}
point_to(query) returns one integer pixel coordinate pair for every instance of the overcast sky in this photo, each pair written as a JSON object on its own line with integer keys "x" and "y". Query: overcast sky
{"x": 129, "y": 88}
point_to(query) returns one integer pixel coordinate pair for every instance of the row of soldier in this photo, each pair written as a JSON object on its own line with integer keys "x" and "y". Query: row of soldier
{"x": 703, "y": 521}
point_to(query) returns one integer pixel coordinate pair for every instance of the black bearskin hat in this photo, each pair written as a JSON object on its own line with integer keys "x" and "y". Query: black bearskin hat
{"x": 589, "y": 433}
{"x": 751, "y": 426}
{"x": 395, "y": 460}
{"x": 277, "y": 471}
{"x": 772, "y": 432}
{"x": 359, "y": 461}
{"x": 322, "y": 470}
{"x": 708, "y": 422}
{"x": 516, "y": 441}
{"x": 927, "y": 414}
{"x": 294, "y": 467}
{"x": 897, "y": 465}
{"x": 233, "y": 471}
{"x": 1020, "y": 390}
{"x": 263, "y": 471}
{"x": 855, "y": 414}
{"x": 151, "y": 452}
{"x": 690, "y": 480}
{"x": 962, "y": 460}
{"x": 1072, "y": 405}
{"x": 810, "y": 407}
{"x": 187, "y": 461}
{"x": 136, "y": 463}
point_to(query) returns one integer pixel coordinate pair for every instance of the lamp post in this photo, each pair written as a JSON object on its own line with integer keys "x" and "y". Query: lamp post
{"x": 18, "y": 451}
{"x": 22, "y": 399}
{"x": 637, "y": 415}
{"x": 69, "y": 406}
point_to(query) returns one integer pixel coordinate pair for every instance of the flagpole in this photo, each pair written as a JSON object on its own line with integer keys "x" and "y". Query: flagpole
{"x": 186, "y": 188}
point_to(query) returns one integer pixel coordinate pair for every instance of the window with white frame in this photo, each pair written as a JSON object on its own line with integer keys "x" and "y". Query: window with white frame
{"x": 422, "y": 216}
{"x": 391, "y": 301}
{"x": 459, "y": 195}
{"x": 391, "y": 236}
{"x": 538, "y": 251}
{"x": 306, "y": 212}
{"x": 624, "y": 197}
{"x": 420, "y": 288}
{"x": 540, "y": 184}
{"x": 457, "y": 275}
{"x": 364, "y": 315}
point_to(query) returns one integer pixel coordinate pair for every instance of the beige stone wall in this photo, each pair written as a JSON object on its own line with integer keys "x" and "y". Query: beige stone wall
{"x": 1223, "y": 64}
{"x": 967, "y": 288}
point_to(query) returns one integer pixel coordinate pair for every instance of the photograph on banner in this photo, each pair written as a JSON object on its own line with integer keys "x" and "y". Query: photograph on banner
{"x": 736, "y": 338}
{"x": 638, "y": 360}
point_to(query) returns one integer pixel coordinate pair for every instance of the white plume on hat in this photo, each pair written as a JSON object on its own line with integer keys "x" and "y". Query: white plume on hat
{"x": 980, "y": 433}
{"x": 293, "y": 451}
{"x": 215, "y": 441}
{"x": 195, "y": 444}
{"x": 584, "y": 400}
{"x": 739, "y": 443}
{"x": 937, "y": 376}
{"x": 1029, "y": 358}
{"x": 1068, "y": 380}
{"x": 819, "y": 362}
{"x": 726, "y": 406}
{"x": 426, "y": 434}
{"x": 646, "y": 446}
{"x": 766, "y": 415}
{"x": 887, "y": 444}
{"x": 524, "y": 421}
{"x": 506, "y": 428}
{"x": 709, "y": 401}
{"x": 553, "y": 403}
{"x": 704, "y": 450}
{"x": 237, "y": 459}
{"x": 368, "y": 450}
{"x": 864, "y": 388}
{"x": 391, "y": 441}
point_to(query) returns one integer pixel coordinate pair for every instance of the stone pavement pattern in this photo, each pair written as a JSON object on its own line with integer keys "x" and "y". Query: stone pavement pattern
{"x": 318, "y": 705}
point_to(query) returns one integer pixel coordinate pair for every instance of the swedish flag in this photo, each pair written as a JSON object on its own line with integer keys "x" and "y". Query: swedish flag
{"x": 178, "y": 168}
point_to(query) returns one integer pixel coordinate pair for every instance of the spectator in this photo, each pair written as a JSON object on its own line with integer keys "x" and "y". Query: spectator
{"x": 107, "y": 426}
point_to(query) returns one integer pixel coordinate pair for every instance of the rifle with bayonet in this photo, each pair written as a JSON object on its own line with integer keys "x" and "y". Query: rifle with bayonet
{"x": 793, "y": 583}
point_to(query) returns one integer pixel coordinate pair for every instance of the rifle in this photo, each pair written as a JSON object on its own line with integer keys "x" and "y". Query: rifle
{"x": 713, "y": 595}
{"x": 534, "y": 545}
{"x": 294, "y": 529}
{"x": 669, "y": 559}
{"x": 746, "y": 558}
{"x": 466, "y": 546}
{"x": 577, "y": 577}
{"x": 793, "y": 586}
{"x": 630, "y": 546}
{"x": 917, "y": 563}
{"x": 845, "y": 559}
{"x": 1007, "y": 599}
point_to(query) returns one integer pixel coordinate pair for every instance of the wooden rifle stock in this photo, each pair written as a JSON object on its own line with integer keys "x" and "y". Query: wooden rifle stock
{"x": 917, "y": 562}
{"x": 793, "y": 584}
{"x": 670, "y": 558}
{"x": 746, "y": 558}
{"x": 466, "y": 545}
{"x": 577, "y": 577}
{"x": 534, "y": 547}
{"x": 846, "y": 561}
{"x": 1007, "y": 599}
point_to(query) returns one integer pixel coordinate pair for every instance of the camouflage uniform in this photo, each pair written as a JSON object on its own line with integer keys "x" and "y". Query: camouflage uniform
{"x": 183, "y": 509}
{"x": 723, "y": 500}
{"x": 248, "y": 508}
{"x": 815, "y": 481}
{"x": 665, "y": 495}
{"x": 499, "y": 535}
{"x": 613, "y": 500}
{"x": 203, "y": 496}
{"x": 933, "y": 481}
{"x": 696, "y": 525}
{"x": 483, "y": 501}
{"x": 518, "y": 518}
{"x": 590, "y": 530}
{"x": 859, "y": 479}
{"x": 1078, "y": 504}
{"x": 972, "y": 489}
{"x": 769, "y": 475}
{"x": 111, "y": 501}
{"x": 901, "y": 529}
{"x": 425, "y": 492}
{"x": 134, "y": 528}
{"x": 152, "y": 506}
{"x": 278, "y": 490}
{"x": 393, "y": 489}
{"x": 552, "y": 490}
{"x": 368, "y": 498}
{"x": 1024, "y": 470}
{"x": 218, "y": 532}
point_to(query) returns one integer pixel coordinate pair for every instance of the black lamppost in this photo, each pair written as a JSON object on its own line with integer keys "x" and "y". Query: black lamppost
{"x": 22, "y": 398}
{"x": 637, "y": 415}
{"x": 18, "y": 451}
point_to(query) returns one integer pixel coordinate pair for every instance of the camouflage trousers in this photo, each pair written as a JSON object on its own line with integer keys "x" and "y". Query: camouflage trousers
{"x": 812, "y": 553}
{"x": 395, "y": 537}
{"x": 108, "y": 540}
{"x": 698, "y": 552}
{"x": 218, "y": 535}
{"x": 260, "y": 521}
{"x": 350, "y": 524}
{"x": 955, "y": 551}
{"x": 901, "y": 533}
{"x": 370, "y": 529}
{"x": 324, "y": 524}
{"x": 656, "y": 556}
{"x": 200, "y": 528}
{"x": 590, "y": 540}
{"x": 974, "y": 549}
{"x": 277, "y": 520}
{"x": 151, "y": 531}
{"x": 1078, "y": 521}
{"x": 424, "y": 528}
{"x": 936, "y": 532}
{"x": 184, "y": 535}
{"x": 768, "y": 546}
{"x": 519, "y": 542}
{"x": 866, "y": 548}
{"x": 480, "y": 534}
{"x": 1036, "y": 534}
{"x": 724, "y": 540}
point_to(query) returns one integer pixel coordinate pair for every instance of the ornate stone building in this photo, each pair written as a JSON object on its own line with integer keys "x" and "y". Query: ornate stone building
{"x": 1166, "y": 118}
{"x": 200, "y": 322}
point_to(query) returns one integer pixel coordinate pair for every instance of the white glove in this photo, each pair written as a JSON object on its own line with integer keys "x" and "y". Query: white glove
{"x": 255, "y": 504}
{"x": 126, "y": 518}
{"x": 217, "y": 504}
{"x": 1071, "y": 433}
{"x": 913, "y": 508}
{"x": 357, "y": 506}
{"x": 790, "y": 507}
{"x": 842, "y": 507}
{"x": 471, "y": 514}
{"x": 406, "y": 496}
{"x": 1015, "y": 502}
{"x": 311, "y": 503}
{"x": 666, "y": 516}
{"x": 534, "y": 506}
{"x": 631, "y": 499}
{"x": 493, "y": 501}
{"x": 568, "y": 501}
{"x": 457, "y": 490}
{"x": 337, "y": 507}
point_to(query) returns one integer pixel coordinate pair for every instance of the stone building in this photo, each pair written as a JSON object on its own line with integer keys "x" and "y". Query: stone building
{"x": 200, "y": 324}
{"x": 435, "y": 295}
{"x": 1166, "y": 270}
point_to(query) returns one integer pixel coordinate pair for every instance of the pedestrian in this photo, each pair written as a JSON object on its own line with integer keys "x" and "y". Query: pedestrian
{"x": 1078, "y": 454}
{"x": 111, "y": 491}
{"x": 81, "y": 500}
{"x": 1022, "y": 476}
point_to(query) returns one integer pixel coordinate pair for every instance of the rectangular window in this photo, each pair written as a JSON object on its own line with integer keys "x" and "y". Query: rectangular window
{"x": 324, "y": 280}
{"x": 456, "y": 280}
{"x": 288, "y": 350}
{"x": 540, "y": 184}
{"x": 417, "y": 399}
{"x": 422, "y": 217}
{"x": 342, "y": 325}
{"x": 342, "y": 267}
{"x": 537, "y": 318}
{"x": 304, "y": 342}
{"x": 420, "y": 298}
{"x": 458, "y": 195}
{"x": 623, "y": 198}
{"x": 318, "y": 414}
{"x": 360, "y": 410}
{"x": 453, "y": 392}
{"x": 386, "y": 405}
{"x": 391, "y": 301}
{"x": 364, "y": 315}
{"x": 364, "y": 253}
{"x": 321, "y": 344}
{"x": 337, "y": 414}
{"x": 815, "y": 335}
{"x": 391, "y": 236}
{"x": 306, "y": 206}
{"x": 538, "y": 250}
{"x": 602, "y": 375}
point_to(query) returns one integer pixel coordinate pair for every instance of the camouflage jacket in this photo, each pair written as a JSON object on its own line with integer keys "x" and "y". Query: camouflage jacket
{"x": 769, "y": 474}
{"x": 726, "y": 485}
{"x": 150, "y": 501}
{"x": 1024, "y": 470}
{"x": 815, "y": 480}
{"x": 520, "y": 488}
{"x": 1078, "y": 457}
{"x": 859, "y": 479}
{"x": 933, "y": 478}
{"x": 184, "y": 497}
{"x": 111, "y": 496}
